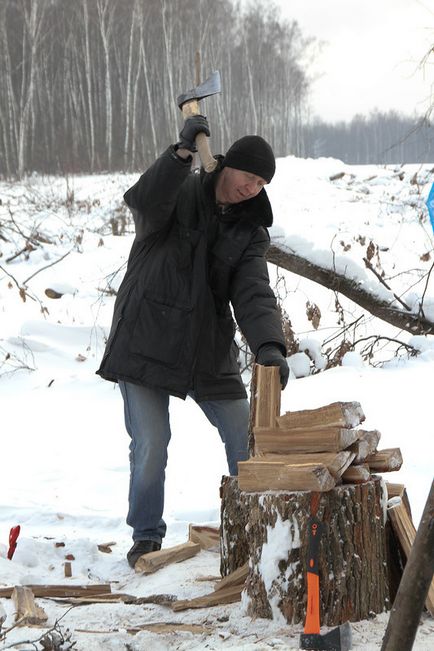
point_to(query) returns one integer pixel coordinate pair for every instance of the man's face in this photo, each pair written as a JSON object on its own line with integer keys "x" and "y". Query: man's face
{"x": 234, "y": 186}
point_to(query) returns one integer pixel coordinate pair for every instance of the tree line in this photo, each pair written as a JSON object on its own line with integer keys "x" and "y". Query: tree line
{"x": 380, "y": 138}
{"x": 91, "y": 85}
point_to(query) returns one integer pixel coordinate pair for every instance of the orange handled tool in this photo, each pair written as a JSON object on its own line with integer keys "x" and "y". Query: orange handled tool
{"x": 312, "y": 623}
{"x": 338, "y": 639}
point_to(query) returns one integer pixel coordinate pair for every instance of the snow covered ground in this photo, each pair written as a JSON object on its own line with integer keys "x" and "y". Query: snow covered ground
{"x": 64, "y": 471}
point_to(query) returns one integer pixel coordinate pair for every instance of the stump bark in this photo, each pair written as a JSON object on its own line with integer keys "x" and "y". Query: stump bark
{"x": 269, "y": 530}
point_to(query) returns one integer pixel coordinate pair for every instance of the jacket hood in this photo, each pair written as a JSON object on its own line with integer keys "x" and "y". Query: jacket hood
{"x": 258, "y": 209}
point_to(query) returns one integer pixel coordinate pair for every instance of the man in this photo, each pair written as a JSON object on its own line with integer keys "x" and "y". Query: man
{"x": 200, "y": 246}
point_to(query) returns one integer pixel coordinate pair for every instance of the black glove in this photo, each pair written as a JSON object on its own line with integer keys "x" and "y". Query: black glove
{"x": 193, "y": 126}
{"x": 271, "y": 355}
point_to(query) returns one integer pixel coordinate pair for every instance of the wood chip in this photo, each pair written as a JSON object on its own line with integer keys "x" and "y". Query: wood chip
{"x": 28, "y": 613}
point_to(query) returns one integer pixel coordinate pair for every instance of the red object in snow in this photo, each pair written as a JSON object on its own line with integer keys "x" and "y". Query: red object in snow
{"x": 13, "y": 537}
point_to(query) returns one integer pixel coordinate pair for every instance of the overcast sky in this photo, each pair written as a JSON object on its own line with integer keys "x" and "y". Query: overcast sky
{"x": 370, "y": 55}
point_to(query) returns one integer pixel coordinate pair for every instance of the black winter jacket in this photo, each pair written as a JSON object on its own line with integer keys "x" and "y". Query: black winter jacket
{"x": 172, "y": 325}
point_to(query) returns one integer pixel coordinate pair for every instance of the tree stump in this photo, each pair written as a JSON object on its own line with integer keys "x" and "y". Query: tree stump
{"x": 270, "y": 531}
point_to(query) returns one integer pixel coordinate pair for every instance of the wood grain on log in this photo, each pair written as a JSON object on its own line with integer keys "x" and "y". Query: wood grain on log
{"x": 267, "y": 398}
{"x": 258, "y": 474}
{"x": 335, "y": 462}
{"x": 388, "y": 460}
{"x": 282, "y": 441}
{"x": 149, "y": 563}
{"x": 357, "y": 474}
{"x": 337, "y": 414}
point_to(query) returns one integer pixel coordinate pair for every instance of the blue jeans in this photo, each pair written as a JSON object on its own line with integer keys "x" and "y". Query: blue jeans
{"x": 146, "y": 413}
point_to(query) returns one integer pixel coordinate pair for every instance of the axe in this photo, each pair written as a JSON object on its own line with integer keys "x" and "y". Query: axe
{"x": 338, "y": 639}
{"x": 189, "y": 104}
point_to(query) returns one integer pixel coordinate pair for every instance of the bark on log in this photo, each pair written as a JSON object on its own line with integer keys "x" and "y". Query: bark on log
{"x": 270, "y": 530}
{"x": 351, "y": 289}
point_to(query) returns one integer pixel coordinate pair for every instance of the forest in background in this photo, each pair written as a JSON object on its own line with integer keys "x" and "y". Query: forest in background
{"x": 91, "y": 86}
{"x": 378, "y": 138}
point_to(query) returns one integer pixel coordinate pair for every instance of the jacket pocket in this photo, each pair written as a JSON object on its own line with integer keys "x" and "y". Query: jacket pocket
{"x": 160, "y": 332}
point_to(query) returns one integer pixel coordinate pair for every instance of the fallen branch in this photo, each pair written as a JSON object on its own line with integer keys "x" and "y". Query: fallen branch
{"x": 351, "y": 289}
{"x": 383, "y": 282}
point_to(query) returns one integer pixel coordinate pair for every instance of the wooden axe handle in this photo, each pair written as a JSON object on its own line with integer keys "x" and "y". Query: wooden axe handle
{"x": 189, "y": 109}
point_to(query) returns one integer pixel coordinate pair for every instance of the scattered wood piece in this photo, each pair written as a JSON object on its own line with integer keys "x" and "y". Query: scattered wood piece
{"x": 337, "y": 414}
{"x": 284, "y": 441}
{"x": 156, "y": 627}
{"x": 336, "y": 177}
{"x": 208, "y": 577}
{"x": 206, "y": 537}
{"x": 267, "y": 397}
{"x": 356, "y": 474}
{"x": 67, "y": 569}
{"x": 28, "y": 613}
{"x": 106, "y": 548}
{"x": 120, "y": 597}
{"x": 175, "y": 627}
{"x": 257, "y": 475}
{"x": 398, "y": 490}
{"x": 228, "y": 595}
{"x": 238, "y": 577}
{"x": 149, "y": 563}
{"x": 406, "y": 532}
{"x": 160, "y": 599}
{"x": 335, "y": 462}
{"x": 62, "y": 590}
{"x": 388, "y": 460}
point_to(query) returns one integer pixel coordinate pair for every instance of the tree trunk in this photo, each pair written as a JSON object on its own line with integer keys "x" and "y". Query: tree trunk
{"x": 270, "y": 531}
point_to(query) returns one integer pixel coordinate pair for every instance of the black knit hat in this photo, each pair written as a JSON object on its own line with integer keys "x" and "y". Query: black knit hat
{"x": 251, "y": 154}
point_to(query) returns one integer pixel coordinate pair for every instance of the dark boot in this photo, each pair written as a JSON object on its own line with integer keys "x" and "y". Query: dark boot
{"x": 139, "y": 548}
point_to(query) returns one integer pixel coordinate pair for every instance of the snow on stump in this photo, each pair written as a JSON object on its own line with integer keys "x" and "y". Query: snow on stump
{"x": 269, "y": 530}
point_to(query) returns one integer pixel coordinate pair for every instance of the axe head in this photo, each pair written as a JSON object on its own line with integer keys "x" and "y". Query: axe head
{"x": 338, "y": 639}
{"x": 211, "y": 86}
